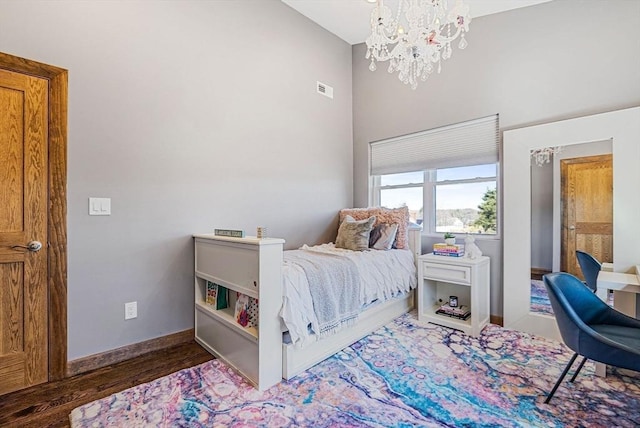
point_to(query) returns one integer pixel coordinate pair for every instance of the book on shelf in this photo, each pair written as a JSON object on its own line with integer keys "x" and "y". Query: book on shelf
{"x": 446, "y": 248}
{"x": 246, "y": 310}
{"x": 454, "y": 250}
{"x": 461, "y": 311}
{"x": 448, "y": 254}
{"x": 447, "y": 314}
{"x": 217, "y": 295}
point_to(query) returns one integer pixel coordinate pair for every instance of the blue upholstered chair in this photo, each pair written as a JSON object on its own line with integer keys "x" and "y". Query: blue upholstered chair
{"x": 590, "y": 268}
{"x": 590, "y": 327}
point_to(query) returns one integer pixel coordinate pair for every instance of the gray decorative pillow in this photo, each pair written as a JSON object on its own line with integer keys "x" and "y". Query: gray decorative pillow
{"x": 375, "y": 235}
{"x": 386, "y": 236}
{"x": 354, "y": 235}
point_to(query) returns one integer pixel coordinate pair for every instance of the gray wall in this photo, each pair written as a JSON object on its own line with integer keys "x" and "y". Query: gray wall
{"x": 190, "y": 115}
{"x": 542, "y": 215}
{"x": 533, "y": 65}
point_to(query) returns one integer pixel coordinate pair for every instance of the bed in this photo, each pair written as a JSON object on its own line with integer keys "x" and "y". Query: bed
{"x": 288, "y": 338}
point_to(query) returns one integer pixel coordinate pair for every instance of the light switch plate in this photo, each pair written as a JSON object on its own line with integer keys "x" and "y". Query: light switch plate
{"x": 130, "y": 310}
{"x": 99, "y": 206}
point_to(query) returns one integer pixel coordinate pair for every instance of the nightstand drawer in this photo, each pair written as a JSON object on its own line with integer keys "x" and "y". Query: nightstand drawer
{"x": 451, "y": 273}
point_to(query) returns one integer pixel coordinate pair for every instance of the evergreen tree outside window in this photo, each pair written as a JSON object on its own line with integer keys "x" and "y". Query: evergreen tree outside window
{"x": 487, "y": 219}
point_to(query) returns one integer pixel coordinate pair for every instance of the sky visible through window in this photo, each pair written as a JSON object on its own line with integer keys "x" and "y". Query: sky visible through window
{"x": 453, "y": 196}
{"x": 460, "y": 196}
{"x": 411, "y": 197}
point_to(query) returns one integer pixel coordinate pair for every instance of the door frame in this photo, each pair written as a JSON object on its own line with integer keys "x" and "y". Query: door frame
{"x": 57, "y": 204}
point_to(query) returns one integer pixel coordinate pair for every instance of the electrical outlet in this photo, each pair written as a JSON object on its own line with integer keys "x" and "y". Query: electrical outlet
{"x": 130, "y": 310}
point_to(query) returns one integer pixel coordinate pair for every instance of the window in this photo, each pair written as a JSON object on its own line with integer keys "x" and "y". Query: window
{"x": 465, "y": 199}
{"x": 447, "y": 176}
{"x": 405, "y": 189}
{"x": 462, "y": 199}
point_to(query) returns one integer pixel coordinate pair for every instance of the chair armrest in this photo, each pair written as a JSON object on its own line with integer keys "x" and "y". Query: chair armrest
{"x": 603, "y": 339}
{"x": 615, "y": 317}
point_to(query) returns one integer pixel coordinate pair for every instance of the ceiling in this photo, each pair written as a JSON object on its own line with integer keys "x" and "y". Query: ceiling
{"x": 349, "y": 19}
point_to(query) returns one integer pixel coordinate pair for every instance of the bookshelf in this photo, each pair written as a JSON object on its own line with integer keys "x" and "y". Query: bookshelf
{"x": 250, "y": 266}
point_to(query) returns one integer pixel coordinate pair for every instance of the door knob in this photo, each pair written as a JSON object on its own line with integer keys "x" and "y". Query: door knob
{"x": 33, "y": 246}
{"x": 572, "y": 228}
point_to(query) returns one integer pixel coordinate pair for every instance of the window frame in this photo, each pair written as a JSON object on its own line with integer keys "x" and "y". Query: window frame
{"x": 429, "y": 198}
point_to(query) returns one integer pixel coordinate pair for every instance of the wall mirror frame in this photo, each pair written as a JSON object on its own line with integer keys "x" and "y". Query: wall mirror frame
{"x": 623, "y": 128}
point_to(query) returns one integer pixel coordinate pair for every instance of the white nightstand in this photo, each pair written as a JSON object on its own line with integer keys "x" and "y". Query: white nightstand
{"x": 442, "y": 276}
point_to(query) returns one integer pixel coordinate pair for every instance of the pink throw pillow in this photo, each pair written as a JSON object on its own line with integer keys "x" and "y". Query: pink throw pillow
{"x": 399, "y": 216}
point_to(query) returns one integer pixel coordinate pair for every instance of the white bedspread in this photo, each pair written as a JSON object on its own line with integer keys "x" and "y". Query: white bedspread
{"x": 384, "y": 274}
{"x": 334, "y": 284}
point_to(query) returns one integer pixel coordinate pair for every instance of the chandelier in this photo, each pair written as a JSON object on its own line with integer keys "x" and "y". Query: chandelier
{"x": 544, "y": 155}
{"x": 417, "y": 38}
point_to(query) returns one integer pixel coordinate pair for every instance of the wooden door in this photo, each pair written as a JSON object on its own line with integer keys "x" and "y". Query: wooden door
{"x": 23, "y": 218}
{"x": 587, "y": 210}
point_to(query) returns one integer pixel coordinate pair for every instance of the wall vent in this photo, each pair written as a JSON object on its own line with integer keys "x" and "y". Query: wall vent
{"x": 325, "y": 90}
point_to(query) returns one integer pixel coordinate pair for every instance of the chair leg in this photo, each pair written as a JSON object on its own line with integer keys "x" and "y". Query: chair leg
{"x": 564, "y": 373}
{"x": 584, "y": 360}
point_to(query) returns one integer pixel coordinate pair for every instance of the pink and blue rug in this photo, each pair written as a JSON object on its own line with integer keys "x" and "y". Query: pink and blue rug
{"x": 540, "y": 302}
{"x": 407, "y": 374}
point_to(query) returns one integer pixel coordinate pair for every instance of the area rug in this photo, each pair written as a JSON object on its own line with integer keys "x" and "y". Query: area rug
{"x": 540, "y": 302}
{"x": 407, "y": 374}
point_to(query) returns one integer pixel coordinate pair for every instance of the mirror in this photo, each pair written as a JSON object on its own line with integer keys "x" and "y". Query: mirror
{"x": 586, "y": 170}
{"x": 619, "y": 128}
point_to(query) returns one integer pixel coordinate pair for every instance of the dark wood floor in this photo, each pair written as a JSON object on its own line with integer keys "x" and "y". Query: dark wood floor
{"x": 49, "y": 405}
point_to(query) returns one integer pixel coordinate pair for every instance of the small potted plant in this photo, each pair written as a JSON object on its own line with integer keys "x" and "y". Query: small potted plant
{"x": 449, "y": 238}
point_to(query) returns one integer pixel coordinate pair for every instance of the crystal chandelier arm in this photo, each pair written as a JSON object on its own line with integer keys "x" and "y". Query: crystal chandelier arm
{"x": 382, "y": 23}
{"x": 440, "y": 37}
{"x": 382, "y": 37}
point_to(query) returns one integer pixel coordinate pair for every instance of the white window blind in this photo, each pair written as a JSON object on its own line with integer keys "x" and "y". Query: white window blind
{"x": 474, "y": 142}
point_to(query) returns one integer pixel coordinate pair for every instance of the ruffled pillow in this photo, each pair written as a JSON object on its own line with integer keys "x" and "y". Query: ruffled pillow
{"x": 354, "y": 234}
{"x": 399, "y": 216}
